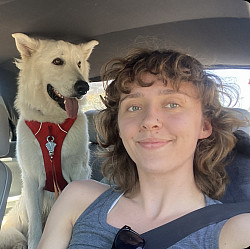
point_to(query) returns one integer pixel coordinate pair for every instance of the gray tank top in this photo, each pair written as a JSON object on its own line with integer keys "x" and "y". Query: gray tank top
{"x": 91, "y": 230}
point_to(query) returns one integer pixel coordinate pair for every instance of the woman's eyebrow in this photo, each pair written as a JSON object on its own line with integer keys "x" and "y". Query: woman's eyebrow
{"x": 131, "y": 96}
{"x": 161, "y": 92}
{"x": 139, "y": 94}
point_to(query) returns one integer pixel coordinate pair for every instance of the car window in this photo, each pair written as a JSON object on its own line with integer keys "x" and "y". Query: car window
{"x": 93, "y": 97}
{"x": 240, "y": 78}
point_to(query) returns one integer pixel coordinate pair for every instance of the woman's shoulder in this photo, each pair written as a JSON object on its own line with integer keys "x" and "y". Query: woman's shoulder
{"x": 86, "y": 187}
{"x": 236, "y": 232}
{"x": 80, "y": 194}
{"x": 84, "y": 190}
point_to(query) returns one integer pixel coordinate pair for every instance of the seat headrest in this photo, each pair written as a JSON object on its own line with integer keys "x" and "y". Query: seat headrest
{"x": 239, "y": 171}
{"x": 4, "y": 129}
{"x": 243, "y": 114}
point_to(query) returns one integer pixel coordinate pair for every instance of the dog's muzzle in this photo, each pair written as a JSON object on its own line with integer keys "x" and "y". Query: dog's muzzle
{"x": 69, "y": 104}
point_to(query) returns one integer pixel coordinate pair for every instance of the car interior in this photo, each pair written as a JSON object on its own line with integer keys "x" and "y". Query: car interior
{"x": 5, "y": 173}
{"x": 215, "y": 32}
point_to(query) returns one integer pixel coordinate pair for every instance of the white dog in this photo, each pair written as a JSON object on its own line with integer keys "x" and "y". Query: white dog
{"x": 52, "y": 81}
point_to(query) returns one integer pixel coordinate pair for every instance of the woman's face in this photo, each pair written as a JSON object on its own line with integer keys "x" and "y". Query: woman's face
{"x": 160, "y": 127}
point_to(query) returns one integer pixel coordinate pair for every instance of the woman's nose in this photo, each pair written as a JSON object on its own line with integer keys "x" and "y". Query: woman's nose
{"x": 151, "y": 120}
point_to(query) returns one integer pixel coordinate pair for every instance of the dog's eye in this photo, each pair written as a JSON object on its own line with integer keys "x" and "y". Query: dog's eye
{"x": 79, "y": 64}
{"x": 58, "y": 62}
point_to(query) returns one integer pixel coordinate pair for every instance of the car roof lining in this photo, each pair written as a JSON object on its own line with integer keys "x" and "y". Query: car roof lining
{"x": 215, "y": 31}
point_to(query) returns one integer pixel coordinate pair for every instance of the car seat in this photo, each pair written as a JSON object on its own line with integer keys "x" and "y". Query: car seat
{"x": 238, "y": 170}
{"x": 5, "y": 173}
{"x": 95, "y": 161}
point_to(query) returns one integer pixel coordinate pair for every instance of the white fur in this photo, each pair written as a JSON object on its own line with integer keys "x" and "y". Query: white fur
{"x": 24, "y": 223}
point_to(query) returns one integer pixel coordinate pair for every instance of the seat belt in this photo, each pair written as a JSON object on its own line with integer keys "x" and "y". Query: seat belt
{"x": 174, "y": 231}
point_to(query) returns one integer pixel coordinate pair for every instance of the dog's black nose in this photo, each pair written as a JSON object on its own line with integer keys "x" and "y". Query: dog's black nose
{"x": 81, "y": 87}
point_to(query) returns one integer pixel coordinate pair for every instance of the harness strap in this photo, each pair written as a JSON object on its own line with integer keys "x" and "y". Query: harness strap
{"x": 55, "y": 181}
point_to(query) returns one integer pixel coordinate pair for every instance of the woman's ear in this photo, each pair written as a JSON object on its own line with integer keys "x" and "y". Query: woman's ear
{"x": 206, "y": 129}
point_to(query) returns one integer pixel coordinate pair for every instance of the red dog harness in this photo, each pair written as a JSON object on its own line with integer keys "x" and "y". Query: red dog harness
{"x": 50, "y": 137}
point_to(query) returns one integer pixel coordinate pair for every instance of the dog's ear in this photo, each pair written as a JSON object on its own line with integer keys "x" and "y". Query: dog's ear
{"x": 88, "y": 47}
{"x": 25, "y": 45}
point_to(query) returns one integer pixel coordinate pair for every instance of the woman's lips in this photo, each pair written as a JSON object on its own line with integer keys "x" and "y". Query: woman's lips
{"x": 153, "y": 143}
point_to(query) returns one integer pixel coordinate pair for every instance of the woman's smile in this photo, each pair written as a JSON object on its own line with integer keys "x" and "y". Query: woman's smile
{"x": 153, "y": 143}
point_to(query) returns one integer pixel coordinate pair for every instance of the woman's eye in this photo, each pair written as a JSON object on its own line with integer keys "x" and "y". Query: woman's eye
{"x": 134, "y": 108}
{"x": 172, "y": 105}
{"x": 58, "y": 62}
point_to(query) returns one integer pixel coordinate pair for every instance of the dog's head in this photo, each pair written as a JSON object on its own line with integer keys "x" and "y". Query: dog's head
{"x": 53, "y": 75}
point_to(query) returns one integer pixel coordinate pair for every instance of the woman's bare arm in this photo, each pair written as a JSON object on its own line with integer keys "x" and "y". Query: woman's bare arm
{"x": 236, "y": 233}
{"x": 76, "y": 197}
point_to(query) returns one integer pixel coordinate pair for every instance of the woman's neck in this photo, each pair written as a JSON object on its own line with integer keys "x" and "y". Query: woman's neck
{"x": 158, "y": 194}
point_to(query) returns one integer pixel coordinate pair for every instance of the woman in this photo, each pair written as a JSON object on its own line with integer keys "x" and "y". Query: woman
{"x": 167, "y": 137}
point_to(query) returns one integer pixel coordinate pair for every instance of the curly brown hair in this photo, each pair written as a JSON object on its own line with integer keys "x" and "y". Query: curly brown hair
{"x": 173, "y": 68}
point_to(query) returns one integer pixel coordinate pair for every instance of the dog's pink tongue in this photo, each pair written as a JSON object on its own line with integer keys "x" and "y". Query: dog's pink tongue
{"x": 71, "y": 107}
